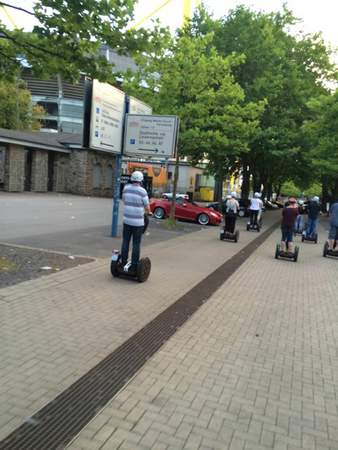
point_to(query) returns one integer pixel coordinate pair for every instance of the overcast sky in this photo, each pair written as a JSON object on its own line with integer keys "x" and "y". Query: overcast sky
{"x": 316, "y": 15}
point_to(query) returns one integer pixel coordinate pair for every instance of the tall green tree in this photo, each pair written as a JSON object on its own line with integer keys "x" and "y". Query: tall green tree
{"x": 321, "y": 135}
{"x": 68, "y": 37}
{"x": 191, "y": 80}
{"x": 283, "y": 69}
{"x": 16, "y": 110}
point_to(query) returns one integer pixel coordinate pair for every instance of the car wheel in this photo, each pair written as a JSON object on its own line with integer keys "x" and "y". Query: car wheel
{"x": 159, "y": 213}
{"x": 241, "y": 213}
{"x": 203, "y": 219}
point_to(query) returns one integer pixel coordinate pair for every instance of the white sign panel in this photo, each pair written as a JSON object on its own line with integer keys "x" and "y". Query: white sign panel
{"x": 150, "y": 136}
{"x": 107, "y": 113}
{"x": 138, "y": 107}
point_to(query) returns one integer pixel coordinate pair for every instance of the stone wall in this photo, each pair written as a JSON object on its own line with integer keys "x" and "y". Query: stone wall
{"x": 76, "y": 181}
{"x": 104, "y": 165}
{"x": 14, "y": 169}
{"x": 90, "y": 173}
{"x": 82, "y": 172}
{"x": 39, "y": 179}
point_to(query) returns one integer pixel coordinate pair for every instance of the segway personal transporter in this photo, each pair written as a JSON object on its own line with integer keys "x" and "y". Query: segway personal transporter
{"x": 143, "y": 269}
{"x": 291, "y": 256}
{"x": 334, "y": 252}
{"x": 252, "y": 226}
{"x": 309, "y": 237}
{"x": 226, "y": 235}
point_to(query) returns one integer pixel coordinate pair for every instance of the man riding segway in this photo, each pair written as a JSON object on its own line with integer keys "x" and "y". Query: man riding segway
{"x": 286, "y": 249}
{"x": 136, "y": 206}
{"x": 256, "y": 206}
{"x": 230, "y": 216}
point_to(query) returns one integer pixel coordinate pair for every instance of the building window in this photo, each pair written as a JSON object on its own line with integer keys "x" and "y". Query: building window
{"x": 97, "y": 176}
{"x": 51, "y": 108}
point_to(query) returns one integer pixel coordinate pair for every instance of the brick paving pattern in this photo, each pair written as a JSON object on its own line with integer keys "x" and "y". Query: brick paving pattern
{"x": 54, "y": 329}
{"x": 255, "y": 368}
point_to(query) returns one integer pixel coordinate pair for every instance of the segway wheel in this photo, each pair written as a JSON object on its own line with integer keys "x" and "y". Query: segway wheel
{"x": 236, "y": 236}
{"x": 247, "y": 227}
{"x": 258, "y": 228}
{"x": 325, "y": 249}
{"x": 113, "y": 269}
{"x": 316, "y": 238}
{"x": 277, "y": 251}
{"x": 303, "y": 238}
{"x": 143, "y": 270}
{"x": 221, "y": 236}
{"x": 295, "y": 258}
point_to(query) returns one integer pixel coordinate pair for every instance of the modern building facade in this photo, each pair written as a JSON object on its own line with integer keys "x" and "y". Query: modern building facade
{"x": 63, "y": 102}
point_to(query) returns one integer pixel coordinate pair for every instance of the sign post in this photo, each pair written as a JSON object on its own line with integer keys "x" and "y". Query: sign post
{"x": 109, "y": 128}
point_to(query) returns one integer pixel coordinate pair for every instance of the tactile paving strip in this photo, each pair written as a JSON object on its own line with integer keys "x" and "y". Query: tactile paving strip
{"x": 57, "y": 423}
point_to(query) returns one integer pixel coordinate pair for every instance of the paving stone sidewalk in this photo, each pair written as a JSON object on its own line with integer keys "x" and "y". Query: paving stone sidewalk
{"x": 54, "y": 329}
{"x": 255, "y": 368}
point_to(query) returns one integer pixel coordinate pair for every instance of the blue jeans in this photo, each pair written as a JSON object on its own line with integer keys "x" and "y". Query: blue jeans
{"x": 128, "y": 232}
{"x": 299, "y": 224}
{"x": 287, "y": 234}
{"x": 311, "y": 227}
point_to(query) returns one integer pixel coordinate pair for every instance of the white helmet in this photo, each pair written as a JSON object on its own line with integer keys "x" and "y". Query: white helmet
{"x": 316, "y": 198}
{"x": 233, "y": 194}
{"x": 137, "y": 176}
{"x": 228, "y": 197}
{"x": 300, "y": 202}
{"x": 257, "y": 195}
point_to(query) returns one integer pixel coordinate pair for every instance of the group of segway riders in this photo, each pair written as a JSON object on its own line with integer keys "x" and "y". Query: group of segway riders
{"x": 230, "y": 215}
{"x": 135, "y": 220}
{"x": 293, "y": 223}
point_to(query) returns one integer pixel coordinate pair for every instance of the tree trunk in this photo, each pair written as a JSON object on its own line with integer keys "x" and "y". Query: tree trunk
{"x": 218, "y": 193}
{"x": 246, "y": 179}
{"x": 325, "y": 193}
{"x": 269, "y": 190}
{"x": 335, "y": 191}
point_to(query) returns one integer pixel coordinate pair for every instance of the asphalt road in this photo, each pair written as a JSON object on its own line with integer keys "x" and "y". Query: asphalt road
{"x": 68, "y": 223}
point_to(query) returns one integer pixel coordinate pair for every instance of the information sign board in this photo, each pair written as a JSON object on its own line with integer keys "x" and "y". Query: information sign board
{"x": 106, "y": 118}
{"x": 138, "y": 107}
{"x": 148, "y": 135}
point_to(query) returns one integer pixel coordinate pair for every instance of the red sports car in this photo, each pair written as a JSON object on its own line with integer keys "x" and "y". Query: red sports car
{"x": 185, "y": 210}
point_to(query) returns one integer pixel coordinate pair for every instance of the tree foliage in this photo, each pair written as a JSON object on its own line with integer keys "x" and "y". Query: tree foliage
{"x": 321, "y": 136}
{"x": 16, "y": 110}
{"x": 68, "y": 37}
{"x": 284, "y": 70}
{"x": 191, "y": 80}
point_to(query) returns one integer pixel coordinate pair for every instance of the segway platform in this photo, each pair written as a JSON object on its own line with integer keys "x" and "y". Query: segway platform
{"x": 327, "y": 252}
{"x": 253, "y": 227}
{"x": 291, "y": 256}
{"x": 141, "y": 273}
{"x": 227, "y": 236}
{"x": 313, "y": 238}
